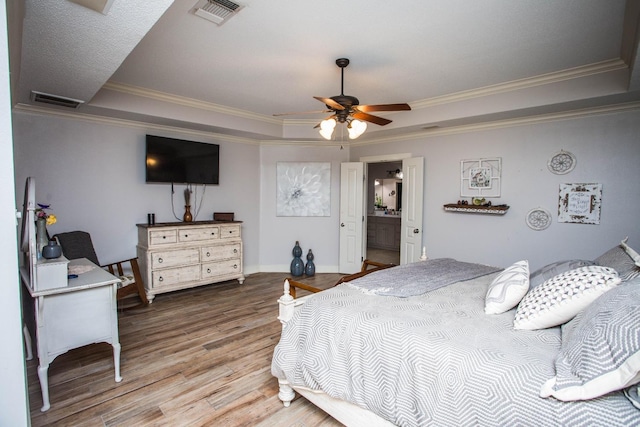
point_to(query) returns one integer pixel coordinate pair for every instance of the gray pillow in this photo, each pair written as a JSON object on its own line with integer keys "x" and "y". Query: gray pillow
{"x": 600, "y": 350}
{"x": 618, "y": 259}
{"x": 551, "y": 270}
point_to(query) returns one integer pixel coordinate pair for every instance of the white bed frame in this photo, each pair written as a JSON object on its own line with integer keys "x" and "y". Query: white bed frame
{"x": 345, "y": 412}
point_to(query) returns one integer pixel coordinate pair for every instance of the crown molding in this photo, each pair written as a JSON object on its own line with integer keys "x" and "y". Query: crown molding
{"x": 543, "y": 79}
{"x": 522, "y": 121}
{"x": 43, "y": 111}
{"x": 476, "y": 127}
{"x": 187, "y": 102}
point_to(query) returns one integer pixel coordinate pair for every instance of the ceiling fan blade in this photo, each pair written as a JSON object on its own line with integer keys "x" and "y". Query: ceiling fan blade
{"x": 383, "y": 107}
{"x": 302, "y": 112}
{"x": 330, "y": 103}
{"x": 371, "y": 118}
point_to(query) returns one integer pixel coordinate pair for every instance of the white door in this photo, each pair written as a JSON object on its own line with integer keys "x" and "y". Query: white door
{"x": 351, "y": 216}
{"x": 412, "y": 188}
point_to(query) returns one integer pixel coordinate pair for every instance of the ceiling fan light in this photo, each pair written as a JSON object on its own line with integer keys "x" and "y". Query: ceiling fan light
{"x": 326, "y": 128}
{"x": 356, "y": 128}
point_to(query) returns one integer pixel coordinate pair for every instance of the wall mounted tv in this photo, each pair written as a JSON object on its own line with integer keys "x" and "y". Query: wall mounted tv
{"x": 171, "y": 160}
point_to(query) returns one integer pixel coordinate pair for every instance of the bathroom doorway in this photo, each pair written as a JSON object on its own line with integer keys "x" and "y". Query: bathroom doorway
{"x": 384, "y": 206}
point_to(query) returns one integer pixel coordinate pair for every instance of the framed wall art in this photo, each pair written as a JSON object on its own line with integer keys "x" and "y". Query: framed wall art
{"x": 480, "y": 177}
{"x": 580, "y": 203}
{"x": 303, "y": 189}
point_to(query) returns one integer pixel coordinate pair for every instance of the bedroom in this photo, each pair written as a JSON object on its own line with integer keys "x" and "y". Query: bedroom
{"x": 604, "y": 140}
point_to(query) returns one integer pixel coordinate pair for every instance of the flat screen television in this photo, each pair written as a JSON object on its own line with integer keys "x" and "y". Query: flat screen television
{"x": 170, "y": 160}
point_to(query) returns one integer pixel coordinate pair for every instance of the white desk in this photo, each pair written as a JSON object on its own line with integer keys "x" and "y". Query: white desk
{"x": 82, "y": 312}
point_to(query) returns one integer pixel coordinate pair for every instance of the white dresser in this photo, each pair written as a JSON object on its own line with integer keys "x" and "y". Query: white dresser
{"x": 183, "y": 255}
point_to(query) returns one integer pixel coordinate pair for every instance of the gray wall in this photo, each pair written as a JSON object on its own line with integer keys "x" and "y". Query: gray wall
{"x": 92, "y": 174}
{"x": 607, "y": 148}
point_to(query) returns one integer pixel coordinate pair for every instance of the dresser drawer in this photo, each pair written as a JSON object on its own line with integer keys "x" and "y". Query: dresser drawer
{"x": 198, "y": 234}
{"x": 174, "y": 276}
{"x": 230, "y": 231}
{"x": 162, "y": 237}
{"x": 221, "y": 268}
{"x": 210, "y": 253}
{"x": 166, "y": 259}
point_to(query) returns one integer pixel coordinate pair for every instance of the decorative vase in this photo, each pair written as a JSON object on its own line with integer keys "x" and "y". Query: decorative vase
{"x": 187, "y": 214}
{"x": 52, "y": 250}
{"x": 310, "y": 268}
{"x": 297, "y": 266}
{"x": 42, "y": 239}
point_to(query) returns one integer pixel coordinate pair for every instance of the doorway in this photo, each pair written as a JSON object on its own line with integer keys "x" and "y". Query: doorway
{"x": 383, "y": 210}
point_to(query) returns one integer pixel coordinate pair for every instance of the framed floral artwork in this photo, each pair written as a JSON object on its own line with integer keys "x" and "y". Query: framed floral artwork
{"x": 480, "y": 177}
{"x": 580, "y": 203}
{"x": 303, "y": 189}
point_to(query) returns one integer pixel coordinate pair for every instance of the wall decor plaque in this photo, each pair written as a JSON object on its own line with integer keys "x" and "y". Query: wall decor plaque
{"x": 562, "y": 162}
{"x": 480, "y": 177}
{"x": 580, "y": 203}
{"x": 538, "y": 219}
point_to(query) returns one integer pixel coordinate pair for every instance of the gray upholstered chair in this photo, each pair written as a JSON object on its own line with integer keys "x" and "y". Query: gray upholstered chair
{"x": 78, "y": 244}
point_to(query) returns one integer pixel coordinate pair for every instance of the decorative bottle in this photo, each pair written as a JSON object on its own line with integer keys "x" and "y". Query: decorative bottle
{"x": 297, "y": 265}
{"x": 310, "y": 268}
{"x": 187, "y": 214}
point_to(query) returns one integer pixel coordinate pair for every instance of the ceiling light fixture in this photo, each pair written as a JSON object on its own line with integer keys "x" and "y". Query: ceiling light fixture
{"x": 326, "y": 128}
{"x": 354, "y": 127}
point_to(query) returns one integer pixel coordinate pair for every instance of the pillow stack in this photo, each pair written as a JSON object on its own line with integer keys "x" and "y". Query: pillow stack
{"x": 598, "y": 305}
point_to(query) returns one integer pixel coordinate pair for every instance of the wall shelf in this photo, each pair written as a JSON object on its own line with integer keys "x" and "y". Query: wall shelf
{"x": 491, "y": 210}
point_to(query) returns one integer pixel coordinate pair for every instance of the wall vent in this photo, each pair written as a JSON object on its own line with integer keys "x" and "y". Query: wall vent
{"x": 217, "y": 11}
{"x": 61, "y": 101}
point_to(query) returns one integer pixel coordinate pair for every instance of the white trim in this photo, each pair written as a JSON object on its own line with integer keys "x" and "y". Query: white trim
{"x": 187, "y": 102}
{"x": 543, "y": 79}
{"x": 385, "y": 158}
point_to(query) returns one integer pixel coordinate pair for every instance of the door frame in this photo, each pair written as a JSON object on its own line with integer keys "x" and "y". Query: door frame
{"x": 384, "y": 158}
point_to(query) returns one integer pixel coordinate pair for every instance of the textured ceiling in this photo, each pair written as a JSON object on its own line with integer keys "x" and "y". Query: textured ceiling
{"x": 273, "y": 57}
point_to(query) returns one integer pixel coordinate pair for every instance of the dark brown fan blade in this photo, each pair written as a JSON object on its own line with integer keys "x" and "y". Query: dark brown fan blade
{"x": 330, "y": 103}
{"x": 383, "y": 107}
{"x": 302, "y": 112}
{"x": 371, "y": 118}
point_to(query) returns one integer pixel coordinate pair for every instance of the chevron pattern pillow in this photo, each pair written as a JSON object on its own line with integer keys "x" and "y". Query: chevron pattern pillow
{"x": 560, "y": 298}
{"x": 600, "y": 347}
{"x": 508, "y": 288}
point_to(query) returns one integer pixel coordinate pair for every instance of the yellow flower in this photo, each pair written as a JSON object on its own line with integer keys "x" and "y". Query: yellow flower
{"x": 51, "y": 219}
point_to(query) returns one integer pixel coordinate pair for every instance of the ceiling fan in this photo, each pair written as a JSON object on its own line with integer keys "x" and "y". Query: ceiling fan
{"x": 347, "y": 109}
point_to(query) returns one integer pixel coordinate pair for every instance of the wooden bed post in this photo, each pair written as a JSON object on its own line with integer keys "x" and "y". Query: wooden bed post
{"x": 286, "y": 303}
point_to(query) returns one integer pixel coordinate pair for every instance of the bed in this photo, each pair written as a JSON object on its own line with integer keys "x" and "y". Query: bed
{"x": 469, "y": 345}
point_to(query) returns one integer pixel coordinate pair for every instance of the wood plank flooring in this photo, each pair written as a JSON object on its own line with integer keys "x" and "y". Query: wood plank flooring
{"x": 199, "y": 357}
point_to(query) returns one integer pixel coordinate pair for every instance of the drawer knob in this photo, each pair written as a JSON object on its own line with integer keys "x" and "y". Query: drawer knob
{"x": 208, "y": 254}
{"x": 160, "y": 279}
{"x": 159, "y": 260}
{"x": 164, "y": 237}
{"x": 235, "y": 251}
{"x": 235, "y": 265}
{"x": 186, "y": 235}
{"x": 208, "y": 270}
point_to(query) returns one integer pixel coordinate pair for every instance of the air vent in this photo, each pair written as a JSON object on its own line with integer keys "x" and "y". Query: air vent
{"x": 217, "y": 11}
{"x": 46, "y": 98}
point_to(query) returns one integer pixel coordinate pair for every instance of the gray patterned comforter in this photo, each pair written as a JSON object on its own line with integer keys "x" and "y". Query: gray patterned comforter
{"x": 433, "y": 360}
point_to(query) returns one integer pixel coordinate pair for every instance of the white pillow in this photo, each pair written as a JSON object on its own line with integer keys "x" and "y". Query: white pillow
{"x": 600, "y": 348}
{"x": 508, "y": 288}
{"x": 560, "y": 298}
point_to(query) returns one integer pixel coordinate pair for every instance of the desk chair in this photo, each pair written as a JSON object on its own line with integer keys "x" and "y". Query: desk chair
{"x": 78, "y": 244}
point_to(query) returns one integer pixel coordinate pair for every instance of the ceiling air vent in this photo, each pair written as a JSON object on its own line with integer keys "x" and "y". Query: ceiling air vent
{"x": 46, "y": 98}
{"x": 218, "y": 11}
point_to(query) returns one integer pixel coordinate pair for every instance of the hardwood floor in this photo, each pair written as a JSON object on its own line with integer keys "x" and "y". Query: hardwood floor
{"x": 199, "y": 357}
